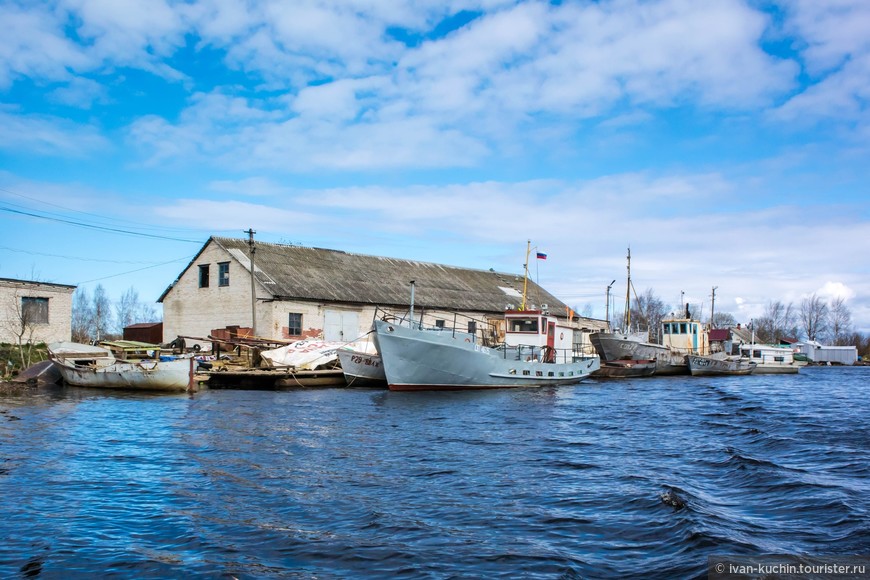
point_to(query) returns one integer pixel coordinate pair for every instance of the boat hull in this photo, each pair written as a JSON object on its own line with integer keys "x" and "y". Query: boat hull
{"x": 416, "y": 359}
{"x": 172, "y": 375}
{"x": 626, "y": 369}
{"x": 712, "y": 366}
{"x": 362, "y": 369}
{"x": 613, "y": 347}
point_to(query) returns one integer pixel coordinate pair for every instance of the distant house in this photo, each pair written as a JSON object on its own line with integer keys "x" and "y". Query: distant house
{"x": 35, "y": 311}
{"x": 306, "y": 292}
{"x": 826, "y": 354}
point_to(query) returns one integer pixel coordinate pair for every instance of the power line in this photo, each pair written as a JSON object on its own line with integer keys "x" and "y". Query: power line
{"x": 100, "y": 228}
{"x": 88, "y": 259}
{"x": 134, "y": 271}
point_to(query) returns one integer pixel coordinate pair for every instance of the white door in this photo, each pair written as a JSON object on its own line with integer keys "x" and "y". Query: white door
{"x": 340, "y": 326}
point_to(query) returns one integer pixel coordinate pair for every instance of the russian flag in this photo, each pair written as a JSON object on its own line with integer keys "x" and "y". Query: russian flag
{"x": 542, "y": 256}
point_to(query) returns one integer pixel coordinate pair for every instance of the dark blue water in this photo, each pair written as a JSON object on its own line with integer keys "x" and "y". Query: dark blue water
{"x": 559, "y": 482}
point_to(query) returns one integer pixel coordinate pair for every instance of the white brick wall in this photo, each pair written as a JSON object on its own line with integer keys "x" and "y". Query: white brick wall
{"x": 59, "y": 325}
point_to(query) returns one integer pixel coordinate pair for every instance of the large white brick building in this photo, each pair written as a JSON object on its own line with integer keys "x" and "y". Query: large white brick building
{"x": 316, "y": 293}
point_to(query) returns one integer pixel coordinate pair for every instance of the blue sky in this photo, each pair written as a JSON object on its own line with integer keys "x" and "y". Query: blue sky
{"x": 726, "y": 142}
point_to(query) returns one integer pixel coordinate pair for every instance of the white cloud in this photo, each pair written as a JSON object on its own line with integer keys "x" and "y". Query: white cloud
{"x": 47, "y": 135}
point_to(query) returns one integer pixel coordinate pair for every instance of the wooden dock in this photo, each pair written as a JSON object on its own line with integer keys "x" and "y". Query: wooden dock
{"x": 274, "y": 378}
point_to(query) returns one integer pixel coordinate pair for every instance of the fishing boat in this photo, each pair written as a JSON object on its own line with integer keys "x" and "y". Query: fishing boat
{"x": 681, "y": 336}
{"x": 123, "y": 364}
{"x": 769, "y": 359}
{"x": 538, "y": 350}
{"x": 719, "y": 364}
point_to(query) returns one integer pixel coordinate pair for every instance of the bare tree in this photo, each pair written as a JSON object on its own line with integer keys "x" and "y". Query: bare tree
{"x": 82, "y": 316}
{"x": 21, "y": 320}
{"x": 778, "y": 322}
{"x": 102, "y": 313}
{"x": 840, "y": 322}
{"x": 648, "y": 310}
{"x": 814, "y": 317}
{"x": 724, "y": 320}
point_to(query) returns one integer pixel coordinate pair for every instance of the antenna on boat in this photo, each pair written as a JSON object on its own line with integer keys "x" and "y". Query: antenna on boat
{"x": 526, "y": 275}
{"x": 253, "y": 248}
{"x": 713, "y": 306}
{"x": 412, "y": 303}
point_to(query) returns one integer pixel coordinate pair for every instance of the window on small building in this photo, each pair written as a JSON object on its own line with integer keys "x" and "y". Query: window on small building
{"x": 223, "y": 274}
{"x": 203, "y": 275}
{"x": 294, "y": 324}
{"x": 34, "y": 310}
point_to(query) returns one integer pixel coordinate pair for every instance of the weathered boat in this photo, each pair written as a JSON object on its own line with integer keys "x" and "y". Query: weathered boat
{"x": 626, "y": 369}
{"x": 362, "y": 364}
{"x": 719, "y": 364}
{"x": 681, "y": 336}
{"x": 770, "y": 359}
{"x": 123, "y": 364}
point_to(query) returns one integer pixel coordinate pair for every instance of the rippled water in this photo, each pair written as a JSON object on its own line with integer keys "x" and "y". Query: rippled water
{"x": 337, "y": 483}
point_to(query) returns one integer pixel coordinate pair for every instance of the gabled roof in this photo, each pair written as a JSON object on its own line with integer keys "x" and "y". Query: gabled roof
{"x": 720, "y": 334}
{"x": 302, "y": 273}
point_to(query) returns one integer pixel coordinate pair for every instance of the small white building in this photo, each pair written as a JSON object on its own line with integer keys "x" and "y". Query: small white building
{"x": 35, "y": 311}
{"x": 824, "y": 354}
{"x": 332, "y": 295}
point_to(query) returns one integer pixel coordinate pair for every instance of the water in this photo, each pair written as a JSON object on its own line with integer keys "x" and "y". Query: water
{"x": 346, "y": 483}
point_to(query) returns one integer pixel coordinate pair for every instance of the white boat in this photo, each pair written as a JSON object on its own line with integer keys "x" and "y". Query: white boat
{"x": 362, "y": 364}
{"x": 770, "y": 359}
{"x": 122, "y": 364}
{"x": 719, "y": 364}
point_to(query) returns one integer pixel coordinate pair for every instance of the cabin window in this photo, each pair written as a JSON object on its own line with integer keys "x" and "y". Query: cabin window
{"x": 779, "y": 358}
{"x": 203, "y": 276}
{"x": 524, "y": 325}
{"x": 294, "y": 324}
{"x": 472, "y": 327}
{"x": 34, "y": 310}
{"x": 683, "y": 328}
{"x": 439, "y": 324}
{"x": 756, "y": 354}
{"x": 666, "y": 328}
{"x": 223, "y": 274}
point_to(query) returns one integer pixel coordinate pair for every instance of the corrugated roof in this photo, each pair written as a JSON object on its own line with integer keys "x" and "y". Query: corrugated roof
{"x": 297, "y": 272}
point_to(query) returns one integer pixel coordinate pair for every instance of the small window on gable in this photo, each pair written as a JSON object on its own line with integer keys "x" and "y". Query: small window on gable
{"x": 294, "y": 324}
{"x": 34, "y": 310}
{"x": 203, "y": 275}
{"x": 223, "y": 274}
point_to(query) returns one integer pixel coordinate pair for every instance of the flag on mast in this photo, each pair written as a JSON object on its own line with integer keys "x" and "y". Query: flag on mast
{"x": 542, "y": 256}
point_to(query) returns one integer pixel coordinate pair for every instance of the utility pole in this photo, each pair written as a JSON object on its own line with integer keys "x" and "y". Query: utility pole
{"x": 713, "y": 306}
{"x": 607, "y": 307}
{"x": 253, "y": 250}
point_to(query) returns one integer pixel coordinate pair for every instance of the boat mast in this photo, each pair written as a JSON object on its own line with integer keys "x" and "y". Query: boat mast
{"x": 526, "y": 275}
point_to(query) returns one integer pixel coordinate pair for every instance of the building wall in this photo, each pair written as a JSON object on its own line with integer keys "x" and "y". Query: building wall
{"x": 59, "y": 326}
{"x": 844, "y": 355}
{"x": 189, "y": 310}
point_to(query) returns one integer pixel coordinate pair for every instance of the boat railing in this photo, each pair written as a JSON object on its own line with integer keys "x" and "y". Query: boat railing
{"x": 455, "y": 323}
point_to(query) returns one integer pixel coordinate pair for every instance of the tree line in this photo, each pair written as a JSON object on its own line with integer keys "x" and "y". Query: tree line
{"x": 827, "y": 322}
{"x": 95, "y": 317}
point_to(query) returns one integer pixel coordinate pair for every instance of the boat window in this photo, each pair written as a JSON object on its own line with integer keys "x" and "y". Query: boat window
{"x": 539, "y": 373}
{"x": 34, "y": 310}
{"x": 294, "y": 324}
{"x": 527, "y": 373}
{"x": 666, "y": 328}
{"x": 756, "y": 354}
{"x": 523, "y": 325}
{"x": 683, "y": 328}
{"x": 512, "y": 372}
{"x": 439, "y": 324}
{"x": 203, "y": 275}
{"x": 551, "y": 374}
{"x": 223, "y": 273}
{"x": 779, "y": 358}
{"x": 472, "y": 327}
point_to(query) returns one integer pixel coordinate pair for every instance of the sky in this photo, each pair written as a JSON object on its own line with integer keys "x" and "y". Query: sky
{"x": 726, "y": 142}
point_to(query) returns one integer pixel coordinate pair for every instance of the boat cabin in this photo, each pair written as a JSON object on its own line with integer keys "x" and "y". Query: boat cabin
{"x": 685, "y": 335}
{"x": 767, "y": 354}
{"x": 537, "y": 328}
